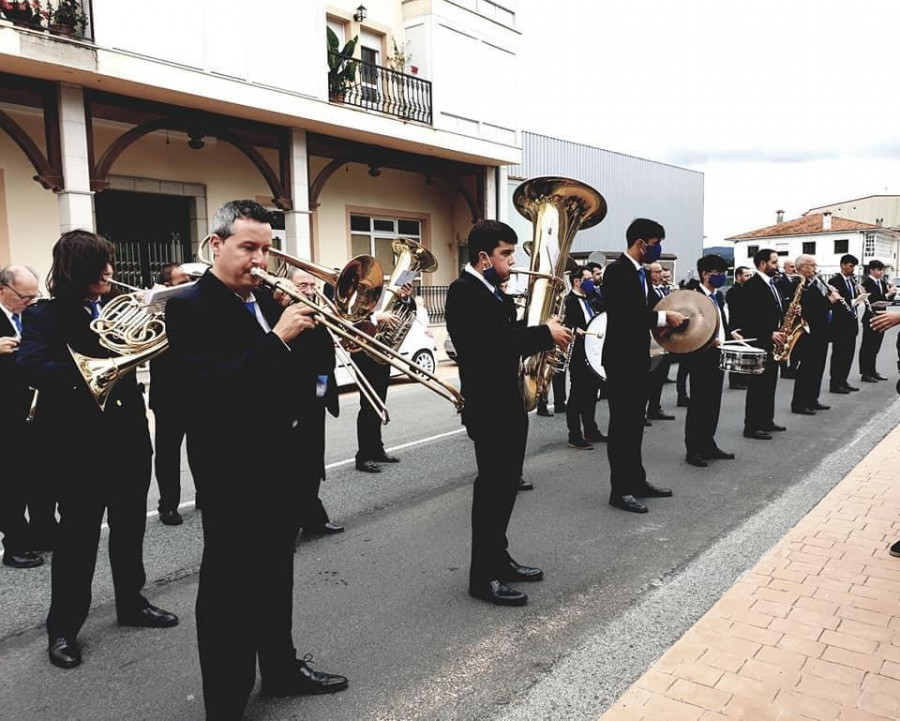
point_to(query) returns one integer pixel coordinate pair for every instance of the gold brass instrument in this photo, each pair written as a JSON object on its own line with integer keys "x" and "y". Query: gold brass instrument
{"x": 558, "y": 208}
{"x": 343, "y": 327}
{"x": 412, "y": 257}
{"x": 792, "y": 327}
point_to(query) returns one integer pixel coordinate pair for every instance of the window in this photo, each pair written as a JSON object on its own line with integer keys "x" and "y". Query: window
{"x": 869, "y": 247}
{"x": 809, "y": 248}
{"x": 841, "y": 246}
{"x": 374, "y": 236}
{"x": 752, "y": 250}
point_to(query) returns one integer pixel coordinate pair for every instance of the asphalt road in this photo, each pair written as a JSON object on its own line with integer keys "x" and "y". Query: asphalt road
{"x": 385, "y": 603}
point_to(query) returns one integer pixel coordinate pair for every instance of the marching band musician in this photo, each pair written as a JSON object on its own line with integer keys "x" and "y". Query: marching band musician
{"x": 73, "y": 424}
{"x": 817, "y": 305}
{"x": 732, "y": 302}
{"x": 584, "y": 384}
{"x": 232, "y": 340}
{"x": 626, "y": 359}
{"x": 657, "y": 377}
{"x": 18, "y": 291}
{"x": 878, "y": 290}
{"x": 706, "y": 378}
{"x": 786, "y": 282}
{"x": 844, "y": 325}
{"x": 370, "y": 448}
{"x": 489, "y": 344}
{"x": 760, "y": 316}
{"x": 315, "y": 350}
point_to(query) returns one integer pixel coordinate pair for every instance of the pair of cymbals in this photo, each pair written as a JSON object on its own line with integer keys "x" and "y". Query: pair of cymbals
{"x": 698, "y": 332}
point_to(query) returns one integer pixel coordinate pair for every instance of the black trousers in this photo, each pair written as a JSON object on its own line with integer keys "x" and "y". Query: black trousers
{"x": 843, "y": 346}
{"x": 706, "y": 399}
{"x": 170, "y": 430}
{"x": 627, "y": 393}
{"x": 581, "y": 409}
{"x": 240, "y": 621}
{"x": 868, "y": 350}
{"x": 655, "y": 385}
{"x": 681, "y": 380}
{"x": 311, "y": 511}
{"x": 810, "y": 352}
{"x": 759, "y": 406}
{"x": 368, "y": 424}
{"x": 85, "y": 493}
{"x": 500, "y": 453}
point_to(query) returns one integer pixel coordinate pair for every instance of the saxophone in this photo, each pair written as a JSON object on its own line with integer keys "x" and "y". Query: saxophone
{"x": 792, "y": 327}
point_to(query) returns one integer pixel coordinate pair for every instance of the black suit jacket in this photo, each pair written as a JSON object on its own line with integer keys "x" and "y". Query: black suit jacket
{"x": 247, "y": 392}
{"x": 760, "y": 313}
{"x": 733, "y": 301}
{"x": 842, "y": 320}
{"x": 13, "y": 389}
{"x": 877, "y": 290}
{"x": 574, "y": 318}
{"x": 489, "y": 343}
{"x": 787, "y": 286}
{"x": 627, "y": 346}
{"x": 815, "y": 308}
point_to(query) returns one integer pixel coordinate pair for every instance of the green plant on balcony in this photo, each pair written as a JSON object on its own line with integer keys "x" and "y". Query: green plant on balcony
{"x": 68, "y": 18}
{"x": 27, "y": 13}
{"x": 341, "y": 65}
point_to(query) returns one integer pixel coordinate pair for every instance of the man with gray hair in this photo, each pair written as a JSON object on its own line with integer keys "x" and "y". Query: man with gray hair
{"x": 18, "y": 290}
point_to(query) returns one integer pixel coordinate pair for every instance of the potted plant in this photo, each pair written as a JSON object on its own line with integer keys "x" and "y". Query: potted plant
{"x": 27, "y": 13}
{"x": 68, "y": 18}
{"x": 341, "y": 65}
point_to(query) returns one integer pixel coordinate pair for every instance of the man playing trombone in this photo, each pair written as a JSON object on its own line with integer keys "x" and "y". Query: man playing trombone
{"x": 233, "y": 342}
{"x": 489, "y": 344}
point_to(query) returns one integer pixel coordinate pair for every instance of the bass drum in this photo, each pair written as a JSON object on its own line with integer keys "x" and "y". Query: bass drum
{"x": 594, "y": 338}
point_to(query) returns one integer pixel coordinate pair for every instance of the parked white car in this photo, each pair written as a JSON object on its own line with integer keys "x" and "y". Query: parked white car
{"x": 418, "y": 346}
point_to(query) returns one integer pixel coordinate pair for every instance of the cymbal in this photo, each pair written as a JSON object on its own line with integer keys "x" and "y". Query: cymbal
{"x": 702, "y": 326}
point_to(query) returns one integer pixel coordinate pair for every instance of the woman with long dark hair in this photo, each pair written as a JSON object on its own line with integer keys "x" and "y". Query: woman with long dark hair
{"x": 100, "y": 459}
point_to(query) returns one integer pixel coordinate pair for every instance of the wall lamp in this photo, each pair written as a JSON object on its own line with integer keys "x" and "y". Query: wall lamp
{"x": 360, "y": 14}
{"x": 374, "y": 171}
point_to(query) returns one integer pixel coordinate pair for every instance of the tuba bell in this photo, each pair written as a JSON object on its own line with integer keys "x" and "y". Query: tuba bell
{"x": 558, "y": 208}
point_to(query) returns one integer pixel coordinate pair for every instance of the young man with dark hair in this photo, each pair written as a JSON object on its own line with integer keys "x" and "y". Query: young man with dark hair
{"x": 489, "y": 345}
{"x": 845, "y": 325}
{"x": 759, "y": 317}
{"x": 660, "y": 373}
{"x": 742, "y": 274}
{"x": 102, "y": 458}
{"x": 233, "y": 340}
{"x": 706, "y": 378}
{"x": 626, "y": 359}
{"x": 878, "y": 290}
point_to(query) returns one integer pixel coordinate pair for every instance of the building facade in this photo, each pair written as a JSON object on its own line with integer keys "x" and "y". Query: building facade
{"x": 880, "y": 210}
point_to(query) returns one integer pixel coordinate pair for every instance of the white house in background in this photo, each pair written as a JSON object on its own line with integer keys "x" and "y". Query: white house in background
{"x": 826, "y": 237}
{"x": 881, "y": 210}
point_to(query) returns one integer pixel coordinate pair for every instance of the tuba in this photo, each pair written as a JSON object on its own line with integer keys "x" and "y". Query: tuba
{"x": 558, "y": 208}
{"x": 413, "y": 258}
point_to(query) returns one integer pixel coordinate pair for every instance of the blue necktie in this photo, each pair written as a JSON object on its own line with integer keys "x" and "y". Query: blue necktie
{"x": 498, "y": 295}
{"x": 95, "y": 309}
{"x": 17, "y": 321}
{"x": 776, "y": 294}
{"x": 587, "y": 307}
{"x": 720, "y": 301}
{"x": 250, "y": 305}
{"x": 643, "y": 276}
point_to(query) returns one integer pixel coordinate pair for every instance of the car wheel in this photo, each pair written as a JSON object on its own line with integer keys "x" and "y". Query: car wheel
{"x": 424, "y": 359}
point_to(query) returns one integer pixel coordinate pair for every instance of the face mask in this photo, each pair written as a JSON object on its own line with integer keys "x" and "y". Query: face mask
{"x": 652, "y": 252}
{"x": 587, "y": 286}
{"x": 717, "y": 280}
{"x": 490, "y": 275}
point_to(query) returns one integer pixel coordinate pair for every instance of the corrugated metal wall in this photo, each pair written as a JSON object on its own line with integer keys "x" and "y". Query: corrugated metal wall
{"x": 633, "y": 187}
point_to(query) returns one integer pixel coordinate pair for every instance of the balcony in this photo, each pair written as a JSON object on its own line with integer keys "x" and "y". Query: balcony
{"x": 66, "y": 18}
{"x": 384, "y": 90}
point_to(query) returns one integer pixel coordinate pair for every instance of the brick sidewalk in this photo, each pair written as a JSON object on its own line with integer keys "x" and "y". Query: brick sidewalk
{"x": 811, "y": 632}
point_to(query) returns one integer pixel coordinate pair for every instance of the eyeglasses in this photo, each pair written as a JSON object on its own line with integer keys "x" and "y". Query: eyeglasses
{"x": 24, "y": 298}
{"x": 305, "y": 286}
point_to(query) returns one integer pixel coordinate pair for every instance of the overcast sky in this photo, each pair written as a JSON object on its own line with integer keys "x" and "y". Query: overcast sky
{"x": 783, "y": 104}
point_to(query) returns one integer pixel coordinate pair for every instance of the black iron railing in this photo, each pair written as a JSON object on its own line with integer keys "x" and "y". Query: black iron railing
{"x": 374, "y": 87}
{"x": 139, "y": 264}
{"x": 434, "y": 298}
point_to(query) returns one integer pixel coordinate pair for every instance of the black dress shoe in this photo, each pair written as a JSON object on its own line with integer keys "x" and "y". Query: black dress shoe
{"x": 772, "y": 427}
{"x": 545, "y": 412}
{"x": 869, "y": 379}
{"x": 878, "y": 376}
{"x": 170, "y": 517}
{"x": 64, "y": 652}
{"x": 894, "y": 550}
{"x": 149, "y": 617}
{"x": 803, "y": 411}
{"x": 385, "y": 458}
{"x": 648, "y": 490}
{"x": 719, "y": 455}
{"x": 327, "y": 530}
{"x": 368, "y": 467}
{"x": 305, "y": 682}
{"x": 22, "y": 559}
{"x": 595, "y": 437}
{"x": 627, "y": 503}
{"x": 850, "y": 388}
{"x": 580, "y": 444}
{"x": 499, "y": 593}
{"x": 820, "y": 407}
{"x": 516, "y": 572}
{"x": 839, "y": 389}
{"x": 647, "y": 423}
{"x": 660, "y": 416}
{"x": 757, "y": 435}
{"x": 695, "y": 459}
{"x": 559, "y": 407}
{"x": 525, "y": 485}
{"x": 683, "y": 402}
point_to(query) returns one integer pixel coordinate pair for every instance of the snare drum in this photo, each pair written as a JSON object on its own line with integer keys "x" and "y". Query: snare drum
{"x": 595, "y": 335}
{"x": 742, "y": 359}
